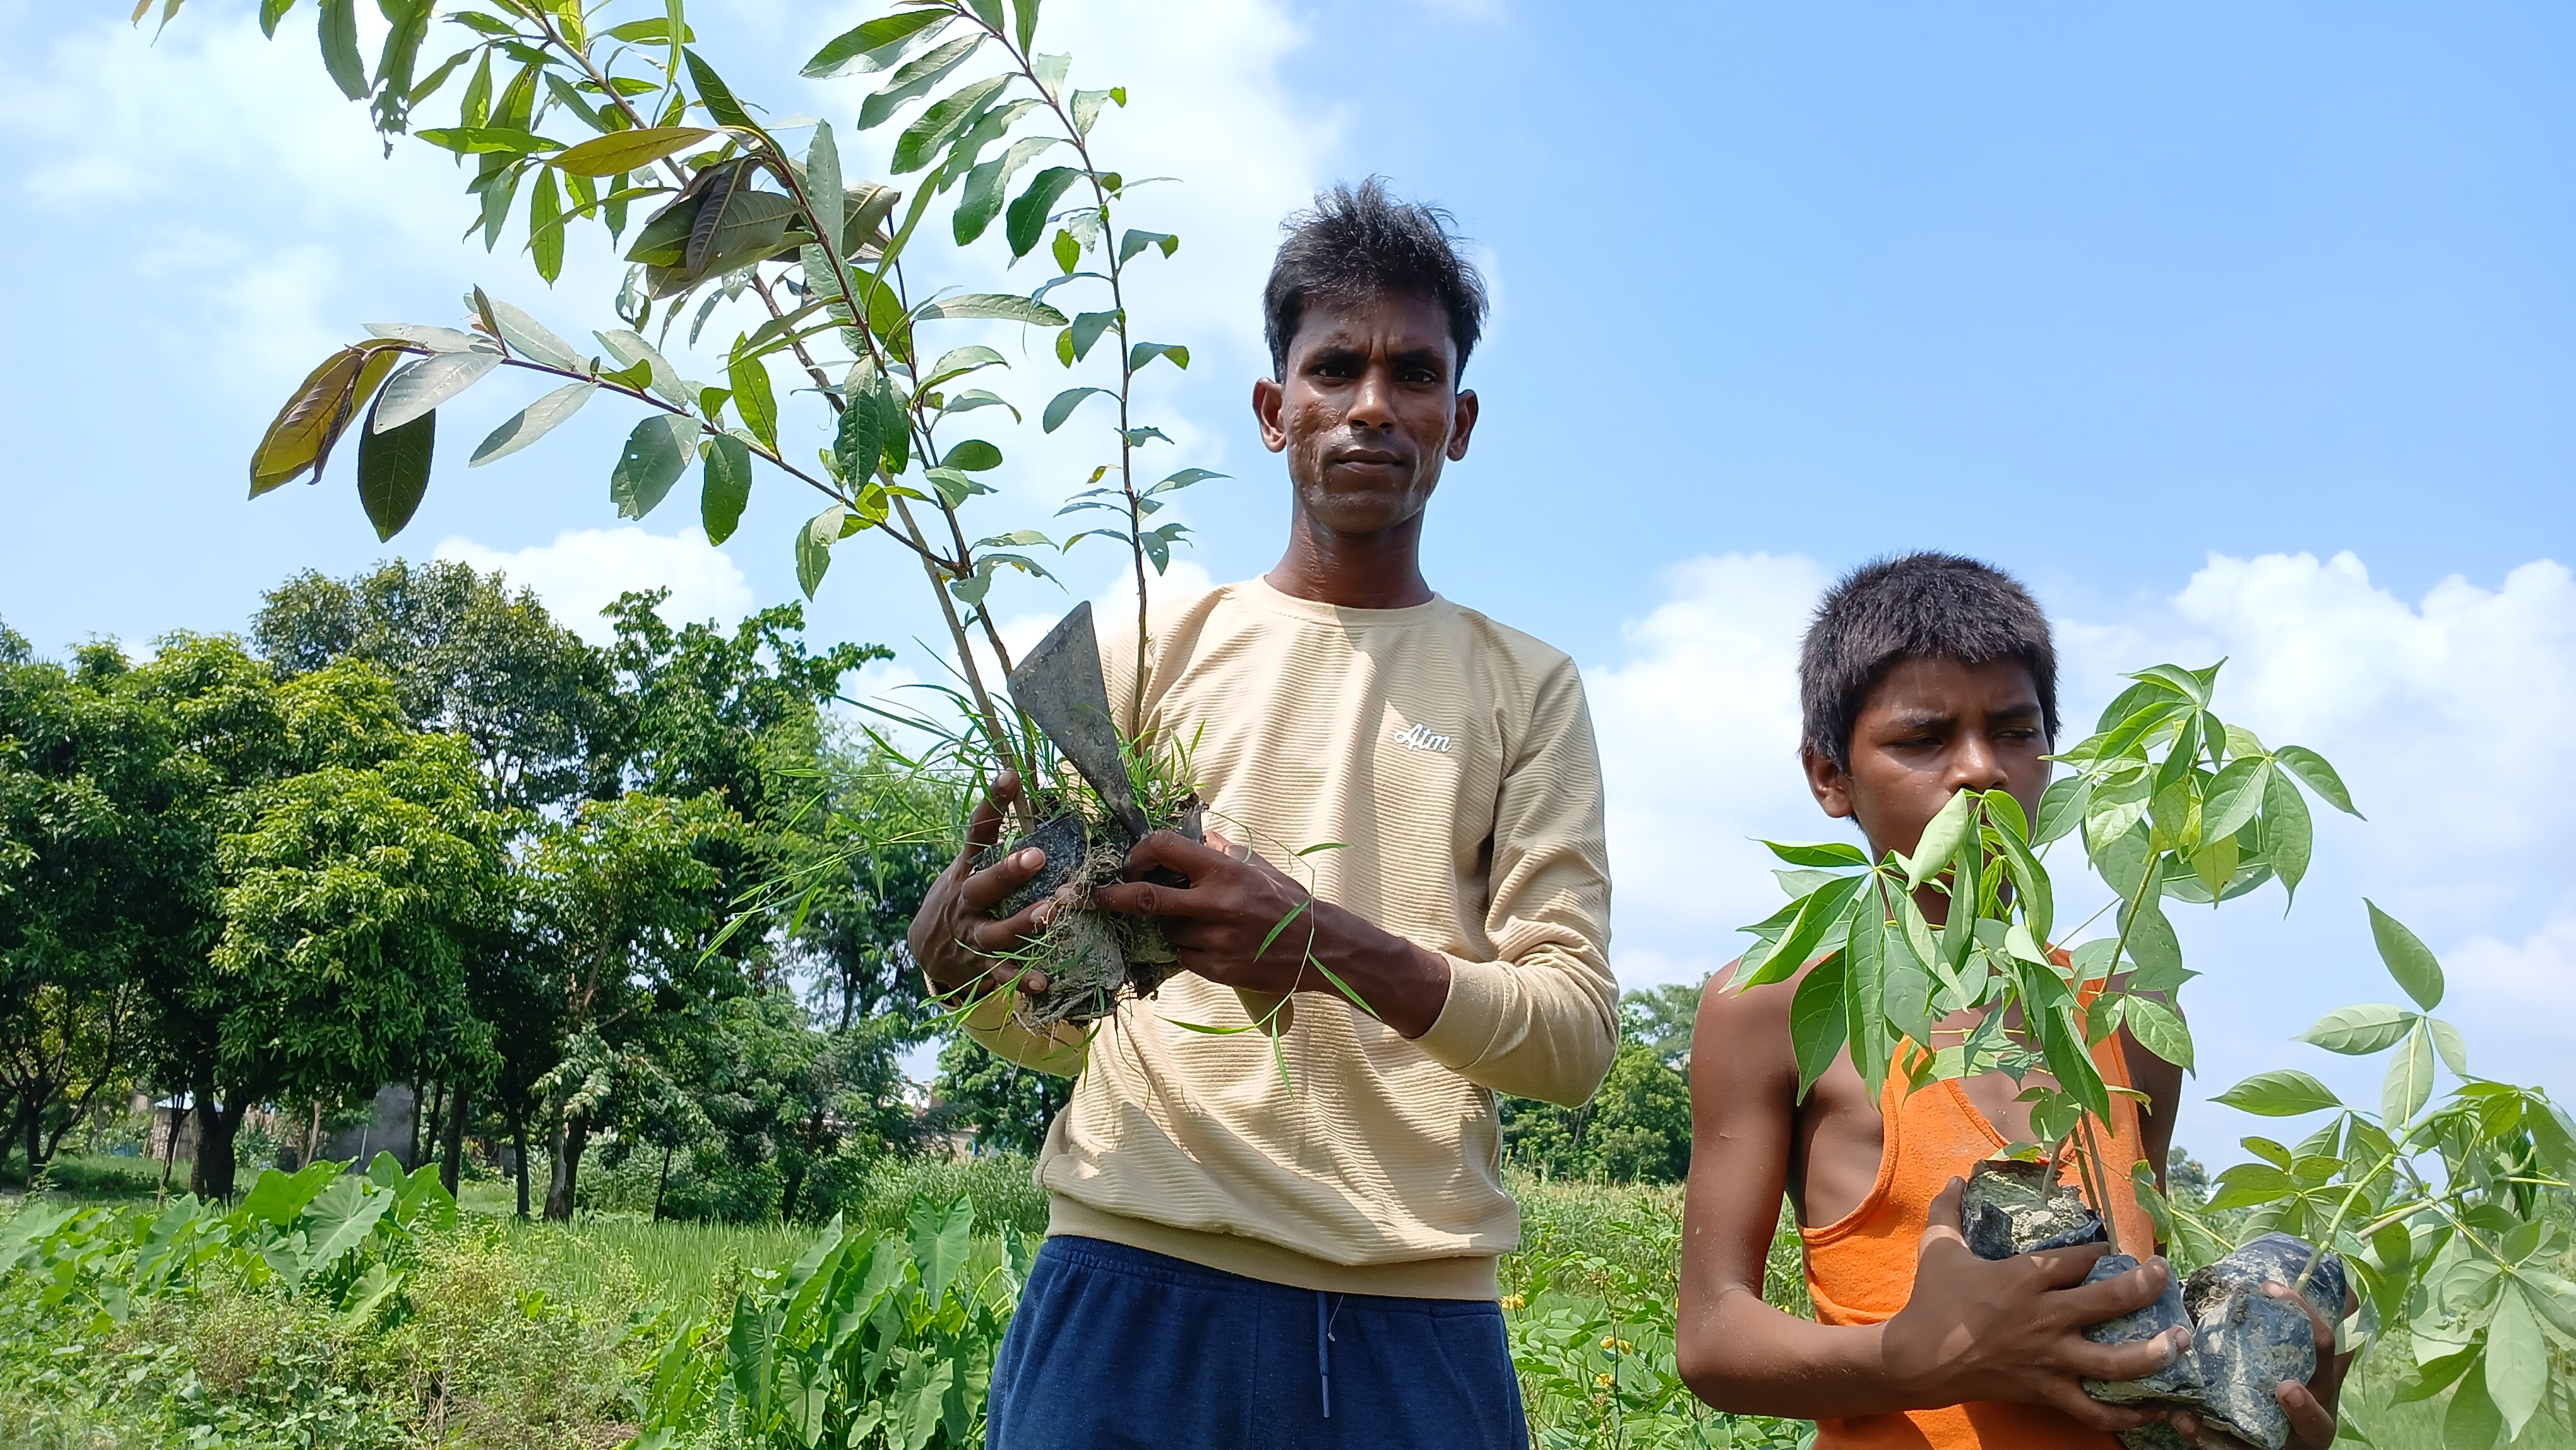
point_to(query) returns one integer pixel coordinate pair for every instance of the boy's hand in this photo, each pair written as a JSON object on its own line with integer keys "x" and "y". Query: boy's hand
{"x": 2013, "y": 1329}
{"x": 953, "y": 937}
{"x": 2311, "y": 1406}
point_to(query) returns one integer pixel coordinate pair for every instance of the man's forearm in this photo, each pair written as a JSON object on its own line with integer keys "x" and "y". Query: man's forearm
{"x": 1403, "y": 984}
{"x": 1753, "y": 1359}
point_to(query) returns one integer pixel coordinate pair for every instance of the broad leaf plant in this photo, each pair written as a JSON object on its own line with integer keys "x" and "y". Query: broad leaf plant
{"x": 566, "y": 116}
{"x": 2454, "y": 1217}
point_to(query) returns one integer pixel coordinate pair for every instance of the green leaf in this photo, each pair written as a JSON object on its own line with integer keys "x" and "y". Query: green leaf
{"x": 1815, "y": 853}
{"x": 532, "y": 422}
{"x": 752, "y": 397}
{"x": 919, "y": 144}
{"x": 1136, "y": 241}
{"x": 915, "y": 80}
{"x": 954, "y": 487}
{"x": 2061, "y": 808}
{"x": 2030, "y": 879}
{"x": 1864, "y": 991}
{"x": 1028, "y": 216}
{"x": 1086, "y": 106}
{"x": 713, "y": 93}
{"x": 974, "y": 455}
{"x": 2409, "y": 1084}
{"x": 1941, "y": 839}
{"x": 727, "y": 486}
{"x": 2280, "y": 1093}
{"x": 339, "y": 31}
{"x": 270, "y": 12}
{"x": 545, "y": 237}
{"x": 1068, "y": 252}
{"x": 859, "y": 443}
{"x": 2159, "y": 1030}
{"x": 2233, "y": 797}
{"x": 621, "y": 151}
{"x": 1024, "y": 22}
{"x": 988, "y": 185}
{"x": 2517, "y": 1358}
{"x": 2187, "y": 683}
{"x": 2320, "y": 777}
{"x": 1818, "y": 1025}
{"x": 531, "y": 340}
{"x": 2360, "y": 1030}
{"x": 2409, "y": 961}
{"x": 957, "y": 362}
{"x": 974, "y": 398}
{"x": 630, "y": 349}
{"x": 814, "y": 545}
{"x": 1818, "y": 918}
{"x": 1005, "y": 306}
{"x": 2472, "y": 1422}
{"x": 2247, "y": 1184}
{"x": 414, "y": 391}
{"x": 871, "y": 47}
{"x": 656, "y": 454}
{"x": 393, "y": 471}
{"x": 340, "y": 1219}
{"x": 2288, "y": 835}
{"x": 1087, "y": 330}
{"x": 823, "y": 190}
{"x": 2448, "y": 1042}
{"x": 1061, "y": 406}
{"x": 1145, "y": 352}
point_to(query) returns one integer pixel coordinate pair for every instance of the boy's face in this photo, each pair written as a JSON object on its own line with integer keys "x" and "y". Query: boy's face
{"x": 1368, "y": 410}
{"x": 1932, "y": 728}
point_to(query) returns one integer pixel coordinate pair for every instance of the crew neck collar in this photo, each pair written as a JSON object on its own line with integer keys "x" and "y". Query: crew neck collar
{"x": 1260, "y": 591}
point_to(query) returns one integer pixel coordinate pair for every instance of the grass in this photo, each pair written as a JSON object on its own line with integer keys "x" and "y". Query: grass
{"x": 614, "y": 1269}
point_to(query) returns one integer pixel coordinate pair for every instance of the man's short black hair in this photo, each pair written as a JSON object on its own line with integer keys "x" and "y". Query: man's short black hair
{"x": 1359, "y": 242}
{"x": 1916, "y": 606}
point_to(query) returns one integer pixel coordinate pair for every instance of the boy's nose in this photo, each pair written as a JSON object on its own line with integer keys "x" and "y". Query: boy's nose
{"x": 1975, "y": 765}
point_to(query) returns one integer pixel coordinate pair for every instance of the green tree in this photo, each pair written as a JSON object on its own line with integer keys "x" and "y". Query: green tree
{"x": 1637, "y": 1129}
{"x": 625, "y": 906}
{"x": 1005, "y": 1107}
{"x": 1662, "y": 1018}
{"x": 465, "y": 655}
{"x": 349, "y": 905}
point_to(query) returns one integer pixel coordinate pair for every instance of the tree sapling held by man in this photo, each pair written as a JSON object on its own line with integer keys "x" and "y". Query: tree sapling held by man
{"x": 1220, "y": 1196}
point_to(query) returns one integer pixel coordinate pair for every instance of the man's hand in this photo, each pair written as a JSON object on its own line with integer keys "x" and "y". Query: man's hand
{"x": 1244, "y": 923}
{"x": 2013, "y": 1329}
{"x": 952, "y": 935}
{"x": 2311, "y": 1406}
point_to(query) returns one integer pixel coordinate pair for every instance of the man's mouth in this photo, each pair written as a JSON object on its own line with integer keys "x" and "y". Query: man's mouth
{"x": 1366, "y": 457}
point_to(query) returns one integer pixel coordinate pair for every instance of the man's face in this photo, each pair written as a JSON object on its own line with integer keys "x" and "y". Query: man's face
{"x": 1933, "y": 728}
{"x": 1368, "y": 411}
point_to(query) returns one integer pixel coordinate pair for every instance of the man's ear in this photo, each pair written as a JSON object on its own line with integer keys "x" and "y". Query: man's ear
{"x": 1465, "y": 425}
{"x": 1268, "y": 396}
{"x": 1828, "y": 782}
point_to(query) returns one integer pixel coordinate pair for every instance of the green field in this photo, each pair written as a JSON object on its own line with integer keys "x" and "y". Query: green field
{"x": 533, "y": 1335}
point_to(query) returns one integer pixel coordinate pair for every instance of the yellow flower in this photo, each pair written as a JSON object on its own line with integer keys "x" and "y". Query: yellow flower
{"x": 1609, "y": 1345}
{"x": 1601, "y": 1381}
{"x": 1513, "y": 1301}
{"x": 1627, "y": 1346}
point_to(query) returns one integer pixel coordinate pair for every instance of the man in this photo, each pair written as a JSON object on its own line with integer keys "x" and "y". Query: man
{"x": 1295, "y": 1244}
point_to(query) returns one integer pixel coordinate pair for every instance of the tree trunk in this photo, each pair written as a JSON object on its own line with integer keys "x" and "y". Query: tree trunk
{"x": 662, "y": 1183}
{"x": 31, "y": 1112}
{"x": 211, "y": 1175}
{"x": 787, "y": 1201}
{"x": 169, "y": 1146}
{"x": 570, "y": 1137}
{"x": 519, "y": 1139}
{"x": 424, "y": 1125}
{"x": 451, "y": 1166}
{"x": 313, "y": 1134}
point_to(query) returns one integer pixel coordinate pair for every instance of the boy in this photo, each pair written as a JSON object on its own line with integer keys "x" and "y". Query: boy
{"x": 1921, "y": 676}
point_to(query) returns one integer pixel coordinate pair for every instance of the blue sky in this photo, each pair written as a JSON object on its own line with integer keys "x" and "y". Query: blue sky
{"x": 2242, "y": 330}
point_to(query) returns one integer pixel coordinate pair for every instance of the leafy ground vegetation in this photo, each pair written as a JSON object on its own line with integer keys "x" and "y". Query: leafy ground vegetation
{"x": 332, "y": 1309}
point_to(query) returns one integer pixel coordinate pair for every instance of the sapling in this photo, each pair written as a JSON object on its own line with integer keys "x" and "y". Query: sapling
{"x": 2439, "y": 1217}
{"x": 733, "y": 228}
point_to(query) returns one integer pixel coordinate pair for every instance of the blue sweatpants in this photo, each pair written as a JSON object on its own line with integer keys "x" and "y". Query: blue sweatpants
{"x": 1113, "y": 1346}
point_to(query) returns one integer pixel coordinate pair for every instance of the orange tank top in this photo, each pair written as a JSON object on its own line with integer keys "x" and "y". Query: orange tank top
{"x": 1860, "y": 1268}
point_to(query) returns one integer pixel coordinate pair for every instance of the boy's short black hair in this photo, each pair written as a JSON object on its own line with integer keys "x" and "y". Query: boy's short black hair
{"x": 1360, "y": 242}
{"x": 1911, "y": 607}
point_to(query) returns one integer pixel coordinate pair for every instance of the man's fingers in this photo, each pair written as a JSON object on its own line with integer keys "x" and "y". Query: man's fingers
{"x": 2311, "y": 1423}
{"x": 983, "y": 890}
{"x": 2083, "y": 1408}
{"x": 1218, "y": 841}
{"x": 985, "y": 826}
{"x": 1179, "y": 852}
{"x": 2128, "y": 1361}
{"x": 1148, "y": 898}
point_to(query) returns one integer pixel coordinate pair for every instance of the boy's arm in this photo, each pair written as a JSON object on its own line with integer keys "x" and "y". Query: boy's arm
{"x": 1973, "y": 1330}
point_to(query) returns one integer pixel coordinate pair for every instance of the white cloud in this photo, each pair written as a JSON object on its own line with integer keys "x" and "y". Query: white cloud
{"x": 584, "y": 570}
{"x": 2445, "y": 716}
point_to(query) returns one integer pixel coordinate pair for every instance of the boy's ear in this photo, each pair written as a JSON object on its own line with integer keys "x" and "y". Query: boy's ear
{"x": 1828, "y": 782}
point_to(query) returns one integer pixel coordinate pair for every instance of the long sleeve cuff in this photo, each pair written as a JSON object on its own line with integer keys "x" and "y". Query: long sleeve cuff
{"x": 1522, "y": 1028}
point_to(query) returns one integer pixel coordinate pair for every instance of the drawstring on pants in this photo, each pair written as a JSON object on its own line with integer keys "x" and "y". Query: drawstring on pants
{"x": 1323, "y": 1350}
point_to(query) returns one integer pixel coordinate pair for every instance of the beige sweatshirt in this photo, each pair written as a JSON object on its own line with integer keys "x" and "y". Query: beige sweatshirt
{"x": 1452, "y": 759}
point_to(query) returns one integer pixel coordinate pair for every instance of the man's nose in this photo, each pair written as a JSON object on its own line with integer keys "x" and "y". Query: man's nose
{"x": 1372, "y": 402}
